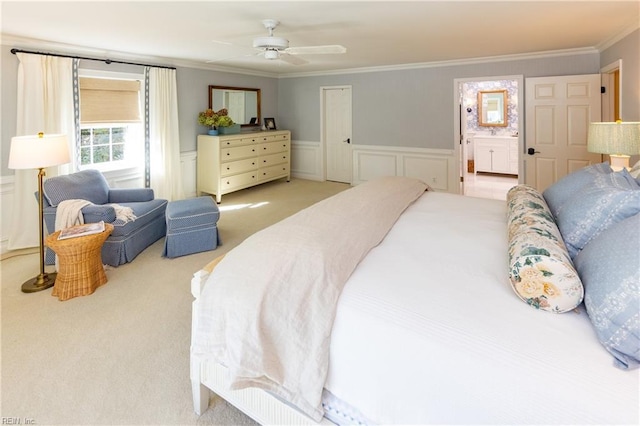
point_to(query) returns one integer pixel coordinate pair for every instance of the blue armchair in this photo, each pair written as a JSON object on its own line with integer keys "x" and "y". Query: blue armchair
{"x": 128, "y": 239}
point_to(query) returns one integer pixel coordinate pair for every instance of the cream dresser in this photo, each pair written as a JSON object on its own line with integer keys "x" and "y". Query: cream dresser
{"x": 228, "y": 163}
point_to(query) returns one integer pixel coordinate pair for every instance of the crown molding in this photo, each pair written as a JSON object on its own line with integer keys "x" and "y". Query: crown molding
{"x": 54, "y": 47}
{"x": 622, "y": 34}
{"x": 457, "y": 62}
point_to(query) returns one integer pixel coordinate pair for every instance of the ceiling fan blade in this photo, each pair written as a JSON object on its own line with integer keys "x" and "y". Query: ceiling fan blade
{"x": 292, "y": 59}
{"x": 213, "y": 61}
{"x": 315, "y": 50}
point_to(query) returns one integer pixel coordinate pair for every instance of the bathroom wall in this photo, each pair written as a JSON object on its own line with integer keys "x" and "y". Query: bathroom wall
{"x": 470, "y": 100}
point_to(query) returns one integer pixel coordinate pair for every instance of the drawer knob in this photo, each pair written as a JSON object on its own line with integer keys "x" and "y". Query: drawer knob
{"x": 253, "y": 150}
{"x": 227, "y": 168}
{"x": 264, "y": 161}
{"x": 228, "y": 153}
{"x": 253, "y": 164}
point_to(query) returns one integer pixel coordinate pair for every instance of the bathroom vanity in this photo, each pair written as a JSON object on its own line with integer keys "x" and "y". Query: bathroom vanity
{"x": 496, "y": 154}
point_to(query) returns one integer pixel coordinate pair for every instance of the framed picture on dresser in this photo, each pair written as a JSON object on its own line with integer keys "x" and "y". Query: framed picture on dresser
{"x": 270, "y": 123}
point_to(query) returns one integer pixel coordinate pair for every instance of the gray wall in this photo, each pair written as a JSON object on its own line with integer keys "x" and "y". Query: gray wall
{"x": 409, "y": 108}
{"x": 627, "y": 49}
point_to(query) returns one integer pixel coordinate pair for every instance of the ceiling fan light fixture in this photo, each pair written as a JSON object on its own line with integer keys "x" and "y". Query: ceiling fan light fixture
{"x": 271, "y": 54}
{"x": 270, "y": 43}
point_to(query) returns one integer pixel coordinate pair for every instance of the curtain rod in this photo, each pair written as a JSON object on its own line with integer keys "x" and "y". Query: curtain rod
{"x": 106, "y": 61}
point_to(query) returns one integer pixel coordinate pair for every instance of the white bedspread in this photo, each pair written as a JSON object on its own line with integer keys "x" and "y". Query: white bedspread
{"x": 268, "y": 307}
{"x": 428, "y": 331}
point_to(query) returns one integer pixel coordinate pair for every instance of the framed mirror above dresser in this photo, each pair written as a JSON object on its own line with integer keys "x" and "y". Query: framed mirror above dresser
{"x": 242, "y": 103}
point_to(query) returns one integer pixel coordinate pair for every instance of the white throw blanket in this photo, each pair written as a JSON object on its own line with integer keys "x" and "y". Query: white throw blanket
{"x": 269, "y": 305}
{"x": 69, "y": 213}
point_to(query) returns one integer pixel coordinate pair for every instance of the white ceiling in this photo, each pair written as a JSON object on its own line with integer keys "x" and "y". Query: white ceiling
{"x": 375, "y": 33}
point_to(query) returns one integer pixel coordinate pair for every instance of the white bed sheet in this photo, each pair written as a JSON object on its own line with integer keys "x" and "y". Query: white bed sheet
{"x": 428, "y": 330}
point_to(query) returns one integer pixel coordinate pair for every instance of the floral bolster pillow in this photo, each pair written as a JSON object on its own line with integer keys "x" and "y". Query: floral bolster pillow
{"x": 540, "y": 269}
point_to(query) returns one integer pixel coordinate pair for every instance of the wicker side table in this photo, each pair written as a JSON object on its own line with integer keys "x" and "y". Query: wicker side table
{"x": 80, "y": 269}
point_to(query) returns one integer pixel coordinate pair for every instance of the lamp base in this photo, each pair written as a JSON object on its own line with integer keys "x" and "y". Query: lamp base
{"x": 619, "y": 162}
{"x": 39, "y": 283}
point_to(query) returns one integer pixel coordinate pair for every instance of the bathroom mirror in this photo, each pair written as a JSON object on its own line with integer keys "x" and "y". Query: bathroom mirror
{"x": 492, "y": 108}
{"x": 242, "y": 103}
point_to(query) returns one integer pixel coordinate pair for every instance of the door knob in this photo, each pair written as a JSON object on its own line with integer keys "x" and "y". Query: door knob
{"x": 348, "y": 140}
{"x": 532, "y": 151}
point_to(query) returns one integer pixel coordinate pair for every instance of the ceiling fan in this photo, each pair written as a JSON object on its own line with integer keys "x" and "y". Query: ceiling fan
{"x": 272, "y": 47}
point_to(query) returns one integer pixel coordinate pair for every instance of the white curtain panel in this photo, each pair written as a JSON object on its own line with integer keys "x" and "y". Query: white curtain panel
{"x": 164, "y": 138}
{"x": 45, "y": 104}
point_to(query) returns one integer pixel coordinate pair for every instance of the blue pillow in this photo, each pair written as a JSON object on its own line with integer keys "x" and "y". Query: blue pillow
{"x": 557, "y": 194}
{"x": 610, "y": 199}
{"x": 609, "y": 267}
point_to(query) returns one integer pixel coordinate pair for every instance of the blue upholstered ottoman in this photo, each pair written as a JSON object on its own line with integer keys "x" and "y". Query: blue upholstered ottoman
{"x": 191, "y": 226}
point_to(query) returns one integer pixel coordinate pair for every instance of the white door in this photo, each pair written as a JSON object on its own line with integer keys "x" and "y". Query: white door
{"x": 336, "y": 108}
{"x": 558, "y": 113}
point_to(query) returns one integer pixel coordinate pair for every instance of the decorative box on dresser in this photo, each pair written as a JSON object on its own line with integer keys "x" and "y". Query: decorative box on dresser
{"x": 228, "y": 163}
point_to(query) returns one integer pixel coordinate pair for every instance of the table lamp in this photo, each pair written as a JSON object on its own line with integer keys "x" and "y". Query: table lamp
{"x": 620, "y": 140}
{"x": 38, "y": 152}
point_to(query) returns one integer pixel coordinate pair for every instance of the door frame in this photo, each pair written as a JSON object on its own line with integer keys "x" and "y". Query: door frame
{"x": 607, "y": 80}
{"x": 323, "y": 141}
{"x": 457, "y": 94}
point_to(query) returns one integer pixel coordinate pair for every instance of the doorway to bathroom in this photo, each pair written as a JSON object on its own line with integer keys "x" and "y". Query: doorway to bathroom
{"x": 489, "y": 151}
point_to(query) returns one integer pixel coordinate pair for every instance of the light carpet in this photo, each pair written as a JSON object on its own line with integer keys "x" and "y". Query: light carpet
{"x": 121, "y": 355}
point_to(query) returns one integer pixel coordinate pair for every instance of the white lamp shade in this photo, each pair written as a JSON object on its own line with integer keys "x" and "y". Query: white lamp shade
{"x": 620, "y": 138}
{"x": 38, "y": 151}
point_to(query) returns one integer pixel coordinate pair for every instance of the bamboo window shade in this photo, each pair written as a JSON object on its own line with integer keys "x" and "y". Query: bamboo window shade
{"x": 109, "y": 101}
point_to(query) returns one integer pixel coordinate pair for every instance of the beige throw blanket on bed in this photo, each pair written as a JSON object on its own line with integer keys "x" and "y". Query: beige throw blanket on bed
{"x": 267, "y": 310}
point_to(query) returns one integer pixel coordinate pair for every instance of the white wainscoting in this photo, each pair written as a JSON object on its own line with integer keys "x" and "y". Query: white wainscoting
{"x": 436, "y": 167}
{"x": 188, "y": 168}
{"x": 6, "y": 201}
{"x": 307, "y": 161}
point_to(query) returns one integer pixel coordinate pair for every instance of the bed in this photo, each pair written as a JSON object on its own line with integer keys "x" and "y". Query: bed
{"x": 437, "y": 320}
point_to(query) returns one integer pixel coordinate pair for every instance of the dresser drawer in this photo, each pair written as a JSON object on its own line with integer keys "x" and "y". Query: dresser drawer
{"x": 273, "y": 172}
{"x": 243, "y": 179}
{"x": 270, "y": 160}
{"x": 273, "y": 147}
{"x": 235, "y": 167}
{"x": 239, "y": 141}
{"x": 237, "y": 153}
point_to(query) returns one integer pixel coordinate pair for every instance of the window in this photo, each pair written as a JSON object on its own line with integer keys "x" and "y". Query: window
{"x": 109, "y": 144}
{"x": 111, "y": 130}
